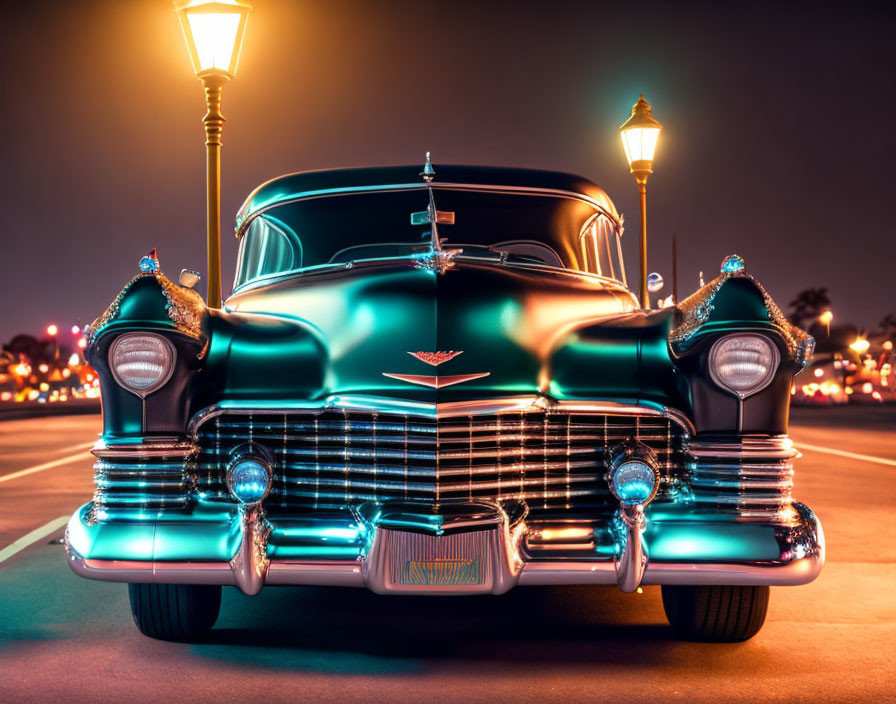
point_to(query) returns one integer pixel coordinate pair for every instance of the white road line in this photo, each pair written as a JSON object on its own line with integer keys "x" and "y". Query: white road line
{"x": 42, "y": 467}
{"x": 33, "y": 537}
{"x": 843, "y": 453}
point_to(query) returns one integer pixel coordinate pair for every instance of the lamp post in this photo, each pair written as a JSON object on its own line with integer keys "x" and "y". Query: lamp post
{"x": 214, "y": 33}
{"x": 639, "y": 137}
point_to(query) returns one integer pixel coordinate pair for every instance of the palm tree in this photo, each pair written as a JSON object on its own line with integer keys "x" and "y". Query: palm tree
{"x": 808, "y": 305}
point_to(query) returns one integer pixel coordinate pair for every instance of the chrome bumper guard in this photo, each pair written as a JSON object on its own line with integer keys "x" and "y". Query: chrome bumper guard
{"x": 471, "y": 548}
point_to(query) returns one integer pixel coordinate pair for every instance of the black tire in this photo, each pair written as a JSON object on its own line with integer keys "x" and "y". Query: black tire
{"x": 175, "y": 612}
{"x": 715, "y": 614}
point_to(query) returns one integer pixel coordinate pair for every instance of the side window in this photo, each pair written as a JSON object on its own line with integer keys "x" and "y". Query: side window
{"x": 268, "y": 247}
{"x": 601, "y": 248}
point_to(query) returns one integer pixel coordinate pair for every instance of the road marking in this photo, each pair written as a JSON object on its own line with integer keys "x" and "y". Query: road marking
{"x": 843, "y": 453}
{"x": 42, "y": 467}
{"x": 33, "y": 537}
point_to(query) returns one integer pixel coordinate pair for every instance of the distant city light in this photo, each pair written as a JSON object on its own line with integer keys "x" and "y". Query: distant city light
{"x": 819, "y": 372}
{"x": 52, "y": 330}
{"x": 82, "y": 343}
{"x": 74, "y": 360}
{"x": 75, "y": 330}
{"x": 860, "y": 345}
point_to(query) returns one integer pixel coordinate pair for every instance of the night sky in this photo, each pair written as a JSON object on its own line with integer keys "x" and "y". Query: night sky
{"x": 779, "y": 141}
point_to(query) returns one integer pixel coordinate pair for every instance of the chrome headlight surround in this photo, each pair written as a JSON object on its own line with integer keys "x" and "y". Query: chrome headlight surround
{"x": 254, "y": 466}
{"x": 747, "y": 350}
{"x": 166, "y": 356}
{"x": 633, "y": 462}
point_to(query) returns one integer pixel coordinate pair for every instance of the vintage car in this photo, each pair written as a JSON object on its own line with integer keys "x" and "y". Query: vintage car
{"x": 439, "y": 383}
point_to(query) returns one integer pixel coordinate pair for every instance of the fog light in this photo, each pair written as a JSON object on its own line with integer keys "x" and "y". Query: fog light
{"x": 633, "y": 476}
{"x": 249, "y": 474}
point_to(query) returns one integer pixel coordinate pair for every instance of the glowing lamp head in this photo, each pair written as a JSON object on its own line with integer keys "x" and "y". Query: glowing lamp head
{"x": 826, "y": 317}
{"x": 214, "y": 33}
{"x": 860, "y": 345}
{"x": 639, "y": 137}
{"x": 52, "y": 330}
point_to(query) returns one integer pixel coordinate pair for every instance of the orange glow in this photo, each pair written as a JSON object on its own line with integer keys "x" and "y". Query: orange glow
{"x": 848, "y": 390}
{"x": 43, "y": 368}
{"x": 867, "y": 388}
{"x": 819, "y": 372}
{"x": 44, "y": 386}
{"x": 888, "y": 346}
{"x": 52, "y": 330}
{"x": 5, "y": 395}
{"x": 826, "y": 317}
{"x": 82, "y": 343}
{"x": 876, "y": 396}
{"x": 860, "y": 345}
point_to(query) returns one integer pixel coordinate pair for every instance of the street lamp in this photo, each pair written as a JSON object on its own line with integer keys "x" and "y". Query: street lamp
{"x": 639, "y": 137}
{"x": 826, "y": 318}
{"x": 214, "y": 33}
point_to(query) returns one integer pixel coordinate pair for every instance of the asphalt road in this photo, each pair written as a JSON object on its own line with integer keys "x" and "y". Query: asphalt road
{"x": 67, "y": 639}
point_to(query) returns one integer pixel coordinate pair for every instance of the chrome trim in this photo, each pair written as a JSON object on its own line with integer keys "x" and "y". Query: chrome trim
{"x": 631, "y": 564}
{"x": 443, "y": 410}
{"x": 800, "y": 560}
{"x": 148, "y": 449}
{"x": 250, "y": 564}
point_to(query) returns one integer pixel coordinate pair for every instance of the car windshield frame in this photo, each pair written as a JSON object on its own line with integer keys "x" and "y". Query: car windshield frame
{"x": 586, "y": 234}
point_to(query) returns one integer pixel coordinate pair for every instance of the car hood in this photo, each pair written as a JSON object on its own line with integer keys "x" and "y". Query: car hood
{"x": 473, "y": 331}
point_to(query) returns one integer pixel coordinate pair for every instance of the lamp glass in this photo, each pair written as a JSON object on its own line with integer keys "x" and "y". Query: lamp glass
{"x": 214, "y": 33}
{"x": 215, "y": 37}
{"x": 640, "y": 143}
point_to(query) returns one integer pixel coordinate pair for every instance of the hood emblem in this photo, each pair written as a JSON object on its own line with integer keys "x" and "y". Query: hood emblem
{"x": 435, "y": 358}
{"x": 436, "y": 382}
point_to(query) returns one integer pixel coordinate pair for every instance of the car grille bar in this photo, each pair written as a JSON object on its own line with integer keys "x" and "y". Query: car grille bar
{"x": 337, "y": 458}
{"x": 752, "y": 478}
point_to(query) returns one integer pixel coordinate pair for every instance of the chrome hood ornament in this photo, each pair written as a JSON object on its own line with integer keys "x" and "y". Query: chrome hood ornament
{"x": 435, "y": 358}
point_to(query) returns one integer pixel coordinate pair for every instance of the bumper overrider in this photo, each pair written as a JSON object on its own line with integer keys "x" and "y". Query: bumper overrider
{"x": 476, "y": 547}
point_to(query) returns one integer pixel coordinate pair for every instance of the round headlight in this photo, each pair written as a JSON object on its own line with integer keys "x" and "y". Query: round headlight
{"x": 743, "y": 364}
{"x": 249, "y": 475}
{"x": 141, "y": 362}
{"x": 634, "y": 482}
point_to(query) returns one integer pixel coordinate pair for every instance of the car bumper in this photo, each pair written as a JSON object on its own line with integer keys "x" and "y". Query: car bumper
{"x": 490, "y": 552}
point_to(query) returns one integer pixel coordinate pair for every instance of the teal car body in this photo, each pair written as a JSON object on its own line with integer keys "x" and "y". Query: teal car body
{"x": 439, "y": 374}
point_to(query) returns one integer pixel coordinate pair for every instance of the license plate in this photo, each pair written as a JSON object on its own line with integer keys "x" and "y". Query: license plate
{"x": 438, "y": 560}
{"x": 441, "y": 572}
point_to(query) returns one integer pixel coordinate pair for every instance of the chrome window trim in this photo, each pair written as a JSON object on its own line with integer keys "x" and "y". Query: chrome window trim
{"x": 451, "y": 409}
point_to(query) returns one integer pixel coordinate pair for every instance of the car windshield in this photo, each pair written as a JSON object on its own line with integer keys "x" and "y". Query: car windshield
{"x": 313, "y": 233}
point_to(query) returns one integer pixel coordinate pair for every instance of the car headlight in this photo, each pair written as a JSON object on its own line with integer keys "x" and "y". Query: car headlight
{"x": 141, "y": 362}
{"x": 743, "y": 364}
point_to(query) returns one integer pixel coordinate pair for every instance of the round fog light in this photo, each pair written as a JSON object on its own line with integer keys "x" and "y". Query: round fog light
{"x": 634, "y": 482}
{"x": 249, "y": 479}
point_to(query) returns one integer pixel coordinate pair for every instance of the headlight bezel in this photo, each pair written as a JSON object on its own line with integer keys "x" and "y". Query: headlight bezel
{"x": 163, "y": 379}
{"x": 631, "y": 453}
{"x": 762, "y": 383}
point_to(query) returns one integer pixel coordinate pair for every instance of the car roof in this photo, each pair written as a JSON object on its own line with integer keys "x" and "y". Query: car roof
{"x": 314, "y": 184}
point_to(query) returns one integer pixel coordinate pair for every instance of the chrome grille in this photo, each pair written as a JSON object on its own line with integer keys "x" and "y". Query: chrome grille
{"x": 129, "y": 486}
{"x": 752, "y": 478}
{"x": 333, "y": 459}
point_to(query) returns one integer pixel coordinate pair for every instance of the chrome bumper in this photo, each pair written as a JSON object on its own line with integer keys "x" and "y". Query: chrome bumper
{"x": 478, "y": 549}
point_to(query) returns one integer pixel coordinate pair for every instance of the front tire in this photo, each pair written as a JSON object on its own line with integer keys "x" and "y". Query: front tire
{"x": 724, "y": 614}
{"x": 175, "y": 612}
